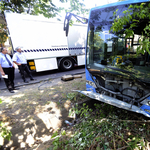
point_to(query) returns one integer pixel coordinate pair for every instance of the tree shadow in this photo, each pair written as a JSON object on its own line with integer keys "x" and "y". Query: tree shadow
{"x": 34, "y": 116}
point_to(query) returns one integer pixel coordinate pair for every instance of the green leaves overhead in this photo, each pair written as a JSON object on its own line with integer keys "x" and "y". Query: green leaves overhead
{"x": 34, "y": 7}
{"x": 136, "y": 16}
{"x": 14, "y": 5}
{"x": 3, "y": 35}
{"x": 45, "y": 7}
{"x": 77, "y": 7}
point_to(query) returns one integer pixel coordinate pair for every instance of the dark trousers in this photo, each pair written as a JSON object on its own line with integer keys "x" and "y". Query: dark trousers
{"x": 24, "y": 68}
{"x": 10, "y": 81}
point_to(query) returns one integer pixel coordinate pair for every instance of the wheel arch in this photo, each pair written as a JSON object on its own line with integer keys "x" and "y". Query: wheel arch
{"x": 60, "y": 59}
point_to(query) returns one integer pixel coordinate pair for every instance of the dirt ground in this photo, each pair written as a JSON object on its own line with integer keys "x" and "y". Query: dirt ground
{"x": 36, "y": 111}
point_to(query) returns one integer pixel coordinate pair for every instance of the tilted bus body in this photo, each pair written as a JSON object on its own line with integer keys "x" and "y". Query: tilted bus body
{"x": 114, "y": 73}
{"x": 44, "y": 43}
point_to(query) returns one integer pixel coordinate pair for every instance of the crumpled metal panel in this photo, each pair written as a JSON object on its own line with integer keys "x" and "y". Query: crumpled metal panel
{"x": 113, "y": 101}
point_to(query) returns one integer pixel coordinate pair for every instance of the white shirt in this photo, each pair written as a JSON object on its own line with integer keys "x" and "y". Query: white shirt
{"x": 19, "y": 58}
{"x": 3, "y": 62}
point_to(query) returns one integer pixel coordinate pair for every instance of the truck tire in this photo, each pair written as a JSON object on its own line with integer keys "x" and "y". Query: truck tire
{"x": 66, "y": 64}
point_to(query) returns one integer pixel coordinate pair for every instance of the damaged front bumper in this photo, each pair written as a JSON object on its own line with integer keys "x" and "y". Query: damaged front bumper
{"x": 116, "y": 102}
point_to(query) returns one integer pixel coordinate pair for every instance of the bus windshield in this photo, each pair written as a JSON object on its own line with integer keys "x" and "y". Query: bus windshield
{"x": 106, "y": 49}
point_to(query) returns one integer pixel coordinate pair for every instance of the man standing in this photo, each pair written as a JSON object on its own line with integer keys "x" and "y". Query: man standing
{"x": 20, "y": 60}
{"x": 7, "y": 70}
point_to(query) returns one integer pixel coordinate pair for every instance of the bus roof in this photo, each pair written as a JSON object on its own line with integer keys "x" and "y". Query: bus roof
{"x": 120, "y": 3}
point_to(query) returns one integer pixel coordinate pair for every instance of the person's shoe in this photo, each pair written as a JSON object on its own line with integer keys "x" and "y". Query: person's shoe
{"x": 25, "y": 81}
{"x": 32, "y": 79}
{"x": 15, "y": 88}
{"x": 11, "y": 91}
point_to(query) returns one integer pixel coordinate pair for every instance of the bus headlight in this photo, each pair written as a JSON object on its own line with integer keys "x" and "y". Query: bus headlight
{"x": 91, "y": 83}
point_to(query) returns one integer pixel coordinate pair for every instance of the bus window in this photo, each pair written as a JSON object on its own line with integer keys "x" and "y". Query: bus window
{"x": 107, "y": 48}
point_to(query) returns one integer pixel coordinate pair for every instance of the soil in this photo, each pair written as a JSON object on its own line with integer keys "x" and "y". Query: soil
{"x": 34, "y": 112}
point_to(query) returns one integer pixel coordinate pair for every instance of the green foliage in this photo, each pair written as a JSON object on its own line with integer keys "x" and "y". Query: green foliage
{"x": 4, "y": 133}
{"x": 35, "y": 7}
{"x": 103, "y": 128}
{"x": 77, "y": 7}
{"x": 71, "y": 96}
{"x": 58, "y": 142}
{"x": 0, "y": 101}
{"x": 45, "y": 7}
{"x": 131, "y": 19}
{"x": 54, "y": 134}
{"x": 13, "y": 5}
{"x": 3, "y": 33}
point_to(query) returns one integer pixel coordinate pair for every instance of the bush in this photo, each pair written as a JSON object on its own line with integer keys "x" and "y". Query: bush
{"x": 4, "y": 133}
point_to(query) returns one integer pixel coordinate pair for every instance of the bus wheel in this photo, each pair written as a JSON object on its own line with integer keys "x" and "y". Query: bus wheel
{"x": 66, "y": 64}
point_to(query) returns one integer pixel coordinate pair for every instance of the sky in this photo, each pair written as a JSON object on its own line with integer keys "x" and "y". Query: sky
{"x": 88, "y": 4}
{"x": 93, "y": 3}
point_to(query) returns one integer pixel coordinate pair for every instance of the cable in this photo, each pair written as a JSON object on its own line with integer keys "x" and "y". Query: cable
{"x": 43, "y": 84}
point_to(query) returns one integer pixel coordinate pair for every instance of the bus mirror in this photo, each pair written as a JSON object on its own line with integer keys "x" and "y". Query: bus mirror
{"x": 67, "y": 28}
{"x": 68, "y": 17}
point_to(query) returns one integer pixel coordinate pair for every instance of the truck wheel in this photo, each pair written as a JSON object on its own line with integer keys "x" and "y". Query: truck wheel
{"x": 66, "y": 64}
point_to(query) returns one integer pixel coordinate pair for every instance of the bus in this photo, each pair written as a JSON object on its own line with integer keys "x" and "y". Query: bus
{"x": 115, "y": 73}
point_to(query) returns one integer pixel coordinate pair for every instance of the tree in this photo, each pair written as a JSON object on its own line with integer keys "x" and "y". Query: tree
{"x": 45, "y": 7}
{"x": 77, "y": 7}
{"x": 3, "y": 33}
{"x": 35, "y": 7}
{"x": 136, "y": 16}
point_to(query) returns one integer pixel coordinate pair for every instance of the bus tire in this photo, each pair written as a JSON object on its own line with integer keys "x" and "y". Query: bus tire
{"x": 66, "y": 64}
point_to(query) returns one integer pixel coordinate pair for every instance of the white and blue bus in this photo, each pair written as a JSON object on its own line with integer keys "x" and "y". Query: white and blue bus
{"x": 115, "y": 74}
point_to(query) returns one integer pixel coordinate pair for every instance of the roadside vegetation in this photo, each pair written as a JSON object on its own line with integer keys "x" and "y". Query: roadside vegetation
{"x": 4, "y": 132}
{"x": 102, "y": 126}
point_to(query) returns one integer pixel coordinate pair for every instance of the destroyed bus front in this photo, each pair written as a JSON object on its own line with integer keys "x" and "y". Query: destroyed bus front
{"x": 115, "y": 74}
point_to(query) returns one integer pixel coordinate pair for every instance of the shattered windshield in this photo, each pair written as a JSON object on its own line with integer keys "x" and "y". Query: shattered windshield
{"x": 112, "y": 51}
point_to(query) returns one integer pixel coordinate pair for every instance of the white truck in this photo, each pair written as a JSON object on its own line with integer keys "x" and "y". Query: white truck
{"x": 44, "y": 42}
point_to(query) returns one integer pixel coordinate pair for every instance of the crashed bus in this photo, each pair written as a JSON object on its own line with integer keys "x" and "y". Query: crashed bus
{"x": 115, "y": 73}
